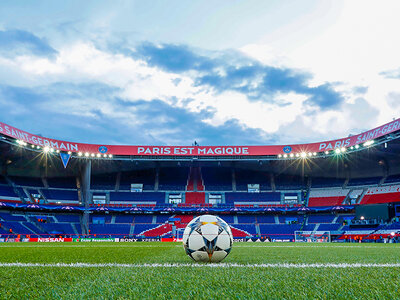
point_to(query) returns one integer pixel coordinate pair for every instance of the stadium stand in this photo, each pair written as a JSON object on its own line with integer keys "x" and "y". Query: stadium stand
{"x": 327, "y": 197}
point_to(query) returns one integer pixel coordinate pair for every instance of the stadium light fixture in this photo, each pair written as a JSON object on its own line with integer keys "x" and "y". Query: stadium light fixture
{"x": 291, "y": 155}
{"x": 69, "y": 152}
{"x": 33, "y": 146}
{"x": 51, "y": 150}
{"x": 352, "y": 148}
{"x": 280, "y": 155}
{"x": 86, "y": 154}
{"x": 98, "y": 155}
{"x": 46, "y": 149}
{"x": 80, "y": 154}
{"x": 38, "y": 147}
{"x": 337, "y": 151}
{"x": 343, "y": 149}
{"x": 369, "y": 143}
{"x": 105, "y": 155}
{"x": 297, "y": 155}
{"x": 309, "y": 154}
{"x": 327, "y": 152}
{"x": 314, "y": 154}
{"x": 357, "y": 146}
{"x": 22, "y": 143}
{"x": 110, "y": 156}
{"x": 303, "y": 154}
{"x": 284, "y": 155}
{"x": 58, "y": 151}
{"x": 392, "y": 233}
{"x": 92, "y": 155}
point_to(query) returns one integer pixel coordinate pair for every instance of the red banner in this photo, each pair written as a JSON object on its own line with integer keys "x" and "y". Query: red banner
{"x": 198, "y": 150}
{"x": 50, "y": 240}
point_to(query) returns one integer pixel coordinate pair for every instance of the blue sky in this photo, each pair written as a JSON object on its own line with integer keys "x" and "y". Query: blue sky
{"x": 218, "y": 72}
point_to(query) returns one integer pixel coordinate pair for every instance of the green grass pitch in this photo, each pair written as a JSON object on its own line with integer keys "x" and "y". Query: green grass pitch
{"x": 241, "y": 281}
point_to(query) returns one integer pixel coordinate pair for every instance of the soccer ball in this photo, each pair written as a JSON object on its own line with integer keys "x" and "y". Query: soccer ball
{"x": 207, "y": 239}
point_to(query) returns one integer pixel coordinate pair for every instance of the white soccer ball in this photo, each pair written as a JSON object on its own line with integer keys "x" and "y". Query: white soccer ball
{"x": 207, "y": 239}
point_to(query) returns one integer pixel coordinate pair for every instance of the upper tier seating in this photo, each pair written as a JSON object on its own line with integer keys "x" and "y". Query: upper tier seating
{"x": 27, "y": 181}
{"x": 7, "y": 191}
{"x": 364, "y": 181}
{"x": 103, "y": 182}
{"x": 245, "y": 177}
{"x": 62, "y": 182}
{"x": 3, "y": 180}
{"x": 392, "y": 179}
{"x": 60, "y": 195}
{"x": 288, "y": 182}
{"x": 173, "y": 179}
{"x": 242, "y": 198}
{"x": 320, "y": 182}
{"x": 327, "y": 197}
{"x": 217, "y": 179}
{"x": 384, "y": 194}
{"x": 146, "y": 177}
{"x": 150, "y": 197}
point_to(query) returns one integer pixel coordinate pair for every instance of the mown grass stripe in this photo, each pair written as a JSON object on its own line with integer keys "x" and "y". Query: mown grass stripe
{"x": 182, "y": 265}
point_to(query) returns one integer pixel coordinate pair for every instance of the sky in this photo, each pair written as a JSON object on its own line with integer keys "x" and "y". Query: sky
{"x": 216, "y": 72}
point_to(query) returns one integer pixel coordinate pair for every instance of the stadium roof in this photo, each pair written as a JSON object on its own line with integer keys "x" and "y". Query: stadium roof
{"x": 371, "y": 153}
{"x": 80, "y": 149}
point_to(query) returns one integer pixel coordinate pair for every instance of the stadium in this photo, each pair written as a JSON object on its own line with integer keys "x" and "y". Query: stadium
{"x": 199, "y": 149}
{"x": 340, "y": 192}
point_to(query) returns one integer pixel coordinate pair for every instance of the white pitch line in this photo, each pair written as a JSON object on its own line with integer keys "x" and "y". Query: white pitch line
{"x": 212, "y": 265}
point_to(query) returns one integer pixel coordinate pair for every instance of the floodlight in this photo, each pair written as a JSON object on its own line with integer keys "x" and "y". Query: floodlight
{"x": 58, "y": 151}
{"x": 105, "y": 155}
{"x": 51, "y": 150}
{"x": 280, "y": 155}
{"x": 291, "y": 155}
{"x": 92, "y": 155}
{"x": 303, "y": 154}
{"x": 79, "y": 153}
{"x": 357, "y": 146}
{"x": 309, "y": 154}
{"x": 297, "y": 155}
{"x": 110, "y": 156}
{"x": 98, "y": 155}
{"x": 87, "y": 154}
{"x": 284, "y": 155}
{"x": 369, "y": 143}
{"x": 343, "y": 149}
{"x": 315, "y": 153}
{"x": 326, "y": 152}
{"x": 69, "y": 152}
{"x": 337, "y": 150}
{"x": 46, "y": 149}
